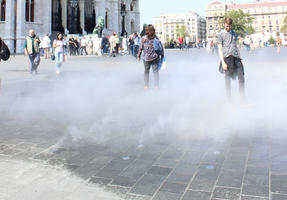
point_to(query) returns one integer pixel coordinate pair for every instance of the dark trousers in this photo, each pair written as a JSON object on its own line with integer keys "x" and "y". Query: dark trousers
{"x": 84, "y": 49}
{"x": 34, "y": 61}
{"x": 235, "y": 69}
{"x": 136, "y": 50}
{"x": 154, "y": 65}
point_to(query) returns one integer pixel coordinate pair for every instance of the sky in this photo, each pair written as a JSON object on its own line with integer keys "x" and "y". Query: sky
{"x": 150, "y": 8}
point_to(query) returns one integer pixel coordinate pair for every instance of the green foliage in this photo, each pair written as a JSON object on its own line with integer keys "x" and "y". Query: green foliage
{"x": 242, "y": 22}
{"x": 181, "y": 31}
{"x": 272, "y": 40}
{"x": 284, "y": 27}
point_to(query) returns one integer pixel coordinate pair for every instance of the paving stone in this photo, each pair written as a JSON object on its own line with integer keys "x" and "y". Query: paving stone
{"x": 119, "y": 163}
{"x": 148, "y": 156}
{"x": 255, "y": 190}
{"x": 108, "y": 173}
{"x": 179, "y": 178}
{"x": 212, "y": 158}
{"x": 137, "y": 197}
{"x": 192, "y": 157}
{"x": 160, "y": 171}
{"x": 230, "y": 178}
{"x": 166, "y": 163}
{"x": 10, "y": 152}
{"x": 88, "y": 170}
{"x": 186, "y": 169}
{"x": 279, "y": 183}
{"x": 100, "y": 181}
{"x": 205, "y": 178}
{"x": 119, "y": 191}
{"x": 177, "y": 188}
{"x": 71, "y": 167}
{"x": 243, "y": 197}
{"x": 147, "y": 185}
{"x": 196, "y": 195}
{"x": 124, "y": 181}
{"x": 226, "y": 193}
{"x": 166, "y": 196}
{"x": 172, "y": 153}
{"x": 279, "y": 197}
{"x": 137, "y": 169}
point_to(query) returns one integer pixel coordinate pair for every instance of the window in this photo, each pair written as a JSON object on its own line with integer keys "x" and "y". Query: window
{"x": 3, "y": 10}
{"x": 30, "y": 9}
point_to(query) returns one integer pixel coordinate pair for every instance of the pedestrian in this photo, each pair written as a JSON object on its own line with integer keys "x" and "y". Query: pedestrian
{"x": 105, "y": 45}
{"x": 46, "y": 45}
{"x": 31, "y": 48}
{"x": 65, "y": 41}
{"x": 72, "y": 46}
{"x": 90, "y": 46}
{"x": 77, "y": 47}
{"x": 278, "y": 42}
{"x": 230, "y": 58}
{"x": 136, "y": 44}
{"x": 131, "y": 45}
{"x": 125, "y": 45}
{"x": 187, "y": 43}
{"x": 149, "y": 55}
{"x": 58, "y": 45}
{"x": 113, "y": 44}
{"x": 247, "y": 42}
{"x": 180, "y": 41}
{"x": 83, "y": 46}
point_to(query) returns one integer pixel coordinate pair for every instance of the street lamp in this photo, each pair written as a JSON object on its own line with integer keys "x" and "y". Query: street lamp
{"x": 123, "y": 14}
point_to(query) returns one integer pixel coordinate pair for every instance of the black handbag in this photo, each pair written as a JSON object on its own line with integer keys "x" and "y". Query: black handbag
{"x": 220, "y": 69}
{"x": 53, "y": 57}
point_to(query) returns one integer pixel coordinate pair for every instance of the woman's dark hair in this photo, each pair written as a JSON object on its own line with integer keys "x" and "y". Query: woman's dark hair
{"x": 58, "y": 35}
{"x": 150, "y": 31}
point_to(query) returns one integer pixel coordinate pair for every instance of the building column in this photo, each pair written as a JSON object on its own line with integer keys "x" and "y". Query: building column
{"x": 64, "y": 13}
{"x": 21, "y": 22}
{"x": 9, "y": 35}
{"x": 100, "y": 9}
{"x": 82, "y": 15}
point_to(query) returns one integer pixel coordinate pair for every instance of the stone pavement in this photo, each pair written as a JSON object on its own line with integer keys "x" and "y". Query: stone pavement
{"x": 62, "y": 139}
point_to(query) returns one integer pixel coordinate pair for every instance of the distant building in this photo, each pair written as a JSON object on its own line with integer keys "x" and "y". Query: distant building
{"x": 268, "y": 16}
{"x": 69, "y": 16}
{"x": 166, "y": 26}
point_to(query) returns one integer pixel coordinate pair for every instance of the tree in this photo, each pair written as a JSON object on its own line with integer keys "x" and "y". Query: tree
{"x": 242, "y": 22}
{"x": 284, "y": 27}
{"x": 181, "y": 31}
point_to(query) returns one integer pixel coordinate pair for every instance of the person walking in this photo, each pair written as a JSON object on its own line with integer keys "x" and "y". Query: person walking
{"x": 230, "y": 58}
{"x": 136, "y": 44}
{"x": 125, "y": 45}
{"x": 31, "y": 48}
{"x": 46, "y": 45}
{"x": 58, "y": 45}
{"x": 113, "y": 44}
{"x": 278, "y": 42}
{"x": 180, "y": 41}
{"x": 150, "y": 56}
{"x": 131, "y": 45}
{"x": 83, "y": 46}
{"x": 105, "y": 45}
{"x": 65, "y": 41}
{"x": 90, "y": 46}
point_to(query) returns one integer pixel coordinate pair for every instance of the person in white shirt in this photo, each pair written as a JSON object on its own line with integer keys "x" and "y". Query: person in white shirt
{"x": 58, "y": 46}
{"x": 83, "y": 46}
{"x": 46, "y": 45}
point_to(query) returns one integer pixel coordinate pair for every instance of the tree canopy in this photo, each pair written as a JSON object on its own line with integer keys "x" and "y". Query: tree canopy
{"x": 181, "y": 31}
{"x": 284, "y": 27}
{"x": 242, "y": 22}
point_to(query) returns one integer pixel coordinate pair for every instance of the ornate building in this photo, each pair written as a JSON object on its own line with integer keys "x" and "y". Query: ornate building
{"x": 69, "y": 16}
{"x": 268, "y": 16}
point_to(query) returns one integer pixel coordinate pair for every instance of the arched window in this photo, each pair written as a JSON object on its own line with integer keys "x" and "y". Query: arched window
{"x": 3, "y": 10}
{"x": 30, "y": 10}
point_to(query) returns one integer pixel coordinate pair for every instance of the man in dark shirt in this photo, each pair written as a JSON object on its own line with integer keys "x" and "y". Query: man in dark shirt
{"x": 230, "y": 57}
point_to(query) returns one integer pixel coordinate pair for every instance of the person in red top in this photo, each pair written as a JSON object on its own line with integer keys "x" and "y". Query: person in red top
{"x": 180, "y": 40}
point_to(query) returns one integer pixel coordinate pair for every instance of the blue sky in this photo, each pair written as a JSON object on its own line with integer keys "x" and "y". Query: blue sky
{"x": 150, "y": 8}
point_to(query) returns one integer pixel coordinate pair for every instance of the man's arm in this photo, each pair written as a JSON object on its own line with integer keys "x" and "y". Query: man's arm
{"x": 25, "y": 48}
{"x": 224, "y": 65}
{"x": 140, "y": 49}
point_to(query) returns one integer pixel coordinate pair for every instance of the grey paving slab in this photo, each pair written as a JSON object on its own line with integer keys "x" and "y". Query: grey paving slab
{"x": 177, "y": 188}
{"x": 166, "y": 163}
{"x": 147, "y": 185}
{"x": 179, "y": 178}
{"x": 243, "y": 197}
{"x": 255, "y": 190}
{"x": 226, "y": 193}
{"x": 166, "y": 196}
{"x": 230, "y": 178}
{"x": 195, "y": 195}
{"x": 100, "y": 181}
{"x": 124, "y": 181}
{"x": 205, "y": 178}
{"x": 279, "y": 183}
{"x": 279, "y": 197}
{"x": 160, "y": 171}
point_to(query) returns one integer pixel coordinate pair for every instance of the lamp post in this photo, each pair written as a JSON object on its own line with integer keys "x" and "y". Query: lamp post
{"x": 123, "y": 14}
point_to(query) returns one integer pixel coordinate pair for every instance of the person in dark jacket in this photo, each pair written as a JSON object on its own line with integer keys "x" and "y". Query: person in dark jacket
{"x": 105, "y": 45}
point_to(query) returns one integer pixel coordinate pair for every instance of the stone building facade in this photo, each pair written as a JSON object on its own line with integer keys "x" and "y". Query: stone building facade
{"x": 17, "y": 17}
{"x": 166, "y": 26}
{"x": 268, "y": 16}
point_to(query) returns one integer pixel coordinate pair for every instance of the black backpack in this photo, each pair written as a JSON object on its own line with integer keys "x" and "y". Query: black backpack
{"x": 4, "y": 51}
